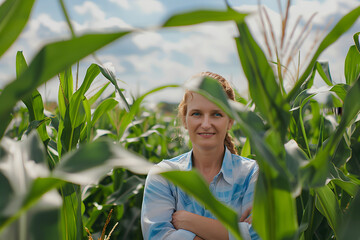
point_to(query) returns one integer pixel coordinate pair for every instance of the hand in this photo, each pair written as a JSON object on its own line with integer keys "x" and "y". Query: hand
{"x": 181, "y": 219}
{"x": 246, "y": 216}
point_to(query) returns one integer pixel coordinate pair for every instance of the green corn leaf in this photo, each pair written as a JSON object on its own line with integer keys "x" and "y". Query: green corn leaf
{"x": 340, "y": 90}
{"x": 194, "y": 184}
{"x": 71, "y": 218}
{"x": 295, "y": 158}
{"x": 88, "y": 128}
{"x": 49, "y": 61}
{"x": 327, "y": 204}
{"x": 352, "y": 65}
{"x": 340, "y": 28}
{"x": 246, "y": 149}
{"x": 341, "y": 180}
{"x": 264, "y": 90}
{"x": 103, "y": 107}
{"x": 357, "y": 40}
{"x": 347, "y": 229}
{"x": 353, "y": 164}
{"x": 201, "y": 16}
{"x": 77, "y": 111}
{"x": 324, "y": 71}
{"x": 96, "y": 96}
{"x": 69, "y": 136}
{"x": 14, "y": 15}
{"x": 92, "y": 161}
{"x": 33, "y": 102}
{"x": 112, "y": 78}
{"x": 274, "y": 212}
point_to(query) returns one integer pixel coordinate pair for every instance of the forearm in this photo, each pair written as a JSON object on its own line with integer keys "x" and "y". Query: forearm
{"x": 206, "y": 228}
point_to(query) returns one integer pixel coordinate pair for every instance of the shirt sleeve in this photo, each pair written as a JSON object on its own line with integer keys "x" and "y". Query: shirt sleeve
{"x": 249, "y": 198}
{"x": 246, "y": 229}
{"x": 157, "y": 208}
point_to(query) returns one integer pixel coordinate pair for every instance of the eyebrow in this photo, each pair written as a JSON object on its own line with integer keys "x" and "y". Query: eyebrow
{"x": 214, "y": 110}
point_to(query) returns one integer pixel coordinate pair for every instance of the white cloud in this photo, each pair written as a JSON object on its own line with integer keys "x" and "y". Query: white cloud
{"x": 122, "y": 3}
{"x": 145, "y": 6}
{"x": 202, "y": 43}
{"x": 41, "y": 30}
{"x": 145, "y": 40}
{"x": 90, "y": 8}
{"x": 98, "y": 20}
{"x": 150, "y": 6}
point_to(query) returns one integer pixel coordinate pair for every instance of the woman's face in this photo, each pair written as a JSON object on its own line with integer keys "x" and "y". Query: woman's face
{"x": 206, "y": 123}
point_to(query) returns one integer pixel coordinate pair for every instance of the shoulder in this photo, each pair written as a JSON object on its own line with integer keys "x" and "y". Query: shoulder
{"x": 179, "y": 162}
{"x": 243, "y": 165}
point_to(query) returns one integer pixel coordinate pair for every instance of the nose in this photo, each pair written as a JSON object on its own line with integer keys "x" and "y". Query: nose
{"x": 206, "y": 122}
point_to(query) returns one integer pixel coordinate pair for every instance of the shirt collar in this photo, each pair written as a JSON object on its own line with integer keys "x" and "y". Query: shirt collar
{"x": 227, "y": 167}
{"x": 226, "y": 170}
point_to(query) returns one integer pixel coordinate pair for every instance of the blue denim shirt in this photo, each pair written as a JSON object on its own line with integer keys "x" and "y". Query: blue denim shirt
{"x": 233, "y": 185}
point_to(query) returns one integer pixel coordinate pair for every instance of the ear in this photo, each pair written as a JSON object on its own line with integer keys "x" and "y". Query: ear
{"x": 231, "y": 123}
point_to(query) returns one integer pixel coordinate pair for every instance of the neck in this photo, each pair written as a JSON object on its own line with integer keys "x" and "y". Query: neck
{"x": 208, "y": 162}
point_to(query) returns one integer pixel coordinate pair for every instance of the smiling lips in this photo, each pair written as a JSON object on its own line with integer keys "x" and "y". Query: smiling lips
{"x": 206, "y": 135}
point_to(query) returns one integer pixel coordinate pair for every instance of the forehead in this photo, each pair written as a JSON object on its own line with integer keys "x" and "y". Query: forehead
{"x": 199, "y": 102}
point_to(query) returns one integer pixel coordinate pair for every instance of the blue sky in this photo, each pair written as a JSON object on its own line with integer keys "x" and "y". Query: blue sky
{"x": 150, "y": 57}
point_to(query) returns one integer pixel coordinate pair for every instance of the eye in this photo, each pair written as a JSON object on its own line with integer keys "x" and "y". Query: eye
{"x": 218, "y": 115}
{"x": 195, "y": 114}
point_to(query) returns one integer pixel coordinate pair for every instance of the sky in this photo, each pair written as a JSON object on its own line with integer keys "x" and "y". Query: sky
{"x": 152, "y": 57}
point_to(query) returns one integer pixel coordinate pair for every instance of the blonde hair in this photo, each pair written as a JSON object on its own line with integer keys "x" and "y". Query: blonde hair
{"x": 182, "y": 108}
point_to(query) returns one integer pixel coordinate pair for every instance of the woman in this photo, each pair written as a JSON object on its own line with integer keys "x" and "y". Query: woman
{"x": 167, "y": 211}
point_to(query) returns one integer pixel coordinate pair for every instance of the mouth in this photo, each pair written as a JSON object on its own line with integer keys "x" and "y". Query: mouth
{"x": 206, "y": 134}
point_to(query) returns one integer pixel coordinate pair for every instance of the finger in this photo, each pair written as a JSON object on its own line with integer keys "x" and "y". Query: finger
{"x": 248, "y": 220}
{"x": 246, "y": 214}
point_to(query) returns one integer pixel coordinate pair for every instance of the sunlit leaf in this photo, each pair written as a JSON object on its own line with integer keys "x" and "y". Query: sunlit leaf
{"x": 201, "y": 16}
{"x": 110, "y": 75}
{"x": 33, "y": 101}
{"x": 352, "y": 65}
{"x": 357, "y": 40}
{"x": 103, "y": 107}
{"x": 93, "y": 160}
{"x": 264, "y": 89}
{"x": 324, "y": 72}
{"x": 13, "y": 18}
{"x": 274, "y": 214}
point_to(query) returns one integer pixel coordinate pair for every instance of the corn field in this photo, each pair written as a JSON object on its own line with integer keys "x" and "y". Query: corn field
{"x": 76, "y": 170}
